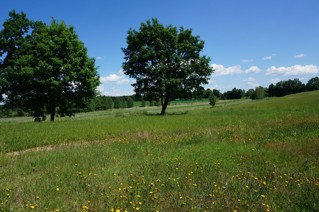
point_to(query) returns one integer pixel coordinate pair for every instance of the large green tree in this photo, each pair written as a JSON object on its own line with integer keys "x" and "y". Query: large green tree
{"x": 12, "y": 37}
{"x": 47, "y": 69}
{"x": 166, "y": 62}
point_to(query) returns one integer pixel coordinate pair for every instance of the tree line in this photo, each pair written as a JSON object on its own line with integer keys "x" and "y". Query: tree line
{"x": 281, "y": 88}
{"x": 97, "y": 103}
{"x": 106, "y": 102}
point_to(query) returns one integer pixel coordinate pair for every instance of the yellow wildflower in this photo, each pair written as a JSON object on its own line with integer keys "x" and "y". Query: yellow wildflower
{"x": 85, "y": 207}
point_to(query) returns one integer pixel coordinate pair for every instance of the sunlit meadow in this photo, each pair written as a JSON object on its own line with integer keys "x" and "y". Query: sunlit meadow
{"x": 239, "y": 156}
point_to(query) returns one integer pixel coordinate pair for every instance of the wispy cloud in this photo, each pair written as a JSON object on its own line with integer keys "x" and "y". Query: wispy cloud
{"x": 231, "y": 70}
{"x": 251, "y": 82}
{"x": 247, "y": 60}
{"x": 267, "y": 58}
{"x": 300, "y": 56}
{"x": 211, "y": 81}
{"x": 101, "y": 89}
{"x": 293, "y": 70}
{"x": 99, "y": 58}
{"x": 123, "y": 81}
{"x": 270, "y": 57}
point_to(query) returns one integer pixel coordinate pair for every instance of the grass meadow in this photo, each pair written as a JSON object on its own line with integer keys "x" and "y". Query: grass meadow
{"x": 241, "y": 155}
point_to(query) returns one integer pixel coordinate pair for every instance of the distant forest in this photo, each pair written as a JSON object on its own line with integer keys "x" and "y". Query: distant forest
{"x": 101, "y": 102}
{"x": 281, "y": 88}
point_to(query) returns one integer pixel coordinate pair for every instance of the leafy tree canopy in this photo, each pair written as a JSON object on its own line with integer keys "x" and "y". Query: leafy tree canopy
{"x": 212, "y": 100}
{"x": 45, "y": 67}
{"x": 234, "y": 94}
{"x": 165, "y": 62}
{"x": 286, "y": 87}
{"x": 313, "y": 84}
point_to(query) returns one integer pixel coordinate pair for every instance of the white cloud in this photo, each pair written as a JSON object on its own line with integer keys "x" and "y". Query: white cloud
{"x": 116, "y": 91}
{"x": 300, "y": 56}
{"x": 115, "y": 85}
{"x": 252, "y": 69}
{"x": 101, "y": 89}
{"x": 221, "y": 70}
{"x": 111, "y": 78}
{"x": 251, "y": 82}
{"x": 250, "y": 79}
{"x": 267, "y": 58}
{"x": 292, "y": 70}
{"x": 247, "y": 60}
{"x": 117, "y": 78}
{"x": 231, "y": 70}
{"x": 99, "y": 58}
{"x": 211, "y": 81}
{"x": 270, "y": 57}
{"x": 123, "y": 81}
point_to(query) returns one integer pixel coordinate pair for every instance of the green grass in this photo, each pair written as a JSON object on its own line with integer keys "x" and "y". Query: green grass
{"x": 240, "y": 155}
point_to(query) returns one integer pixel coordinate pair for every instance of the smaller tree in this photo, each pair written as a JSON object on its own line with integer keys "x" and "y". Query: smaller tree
{"x": 212, "y": 100}
{"x": 260, "y": 92}
{"x": 217, "y": 93}
{"x": 207, "y": 93}
{"x": 250, "y": 94}
{"x": 234, "y": 94}
{"x": 129, "y": 102}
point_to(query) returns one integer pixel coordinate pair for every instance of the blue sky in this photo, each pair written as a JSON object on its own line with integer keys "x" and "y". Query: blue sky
{"x": 250, "y": 42}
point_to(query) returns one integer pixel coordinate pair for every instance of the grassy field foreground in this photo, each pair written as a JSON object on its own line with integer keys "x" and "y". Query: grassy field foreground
{"x": 250, "y": 155}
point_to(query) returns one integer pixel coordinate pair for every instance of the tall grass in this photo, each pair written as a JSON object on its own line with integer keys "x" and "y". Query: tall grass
{"x": 245, "y": 155}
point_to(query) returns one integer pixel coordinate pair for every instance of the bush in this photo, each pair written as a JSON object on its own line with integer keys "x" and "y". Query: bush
{"x": 129, "y": 102}
{"x": 260, "y": 93}
{"x": 212, "y": 100}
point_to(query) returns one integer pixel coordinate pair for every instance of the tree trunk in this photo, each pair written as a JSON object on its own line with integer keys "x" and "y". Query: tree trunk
{"x": 164, "y": 106}
{"x": 52, "y": 109}
{"x": 52, "y": 115}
